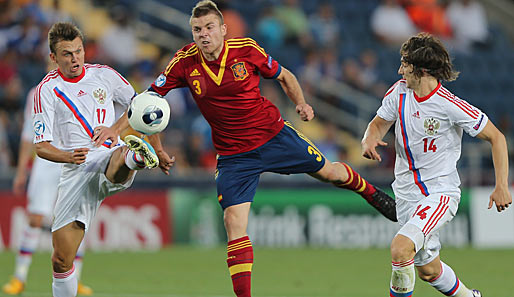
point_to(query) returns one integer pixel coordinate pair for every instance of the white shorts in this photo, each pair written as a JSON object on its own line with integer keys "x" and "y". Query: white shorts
{"x": 83, "y": 187}
{"x": 421, "y": 221}
{"x": 42, "y": 188}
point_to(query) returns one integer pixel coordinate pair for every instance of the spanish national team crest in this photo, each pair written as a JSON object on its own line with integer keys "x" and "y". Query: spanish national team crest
{"x": 431, "y": 126}
{"x": 239, "y": 70}
{"x": 100, "y": 95}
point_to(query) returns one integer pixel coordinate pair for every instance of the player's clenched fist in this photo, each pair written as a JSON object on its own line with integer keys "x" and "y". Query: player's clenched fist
{"x": 305, "y": 111}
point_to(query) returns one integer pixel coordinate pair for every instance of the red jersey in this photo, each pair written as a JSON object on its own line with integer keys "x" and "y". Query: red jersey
{"x": 227, "y": 92}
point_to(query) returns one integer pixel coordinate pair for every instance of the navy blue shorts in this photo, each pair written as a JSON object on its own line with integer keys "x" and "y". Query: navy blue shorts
{"x": 288, "y": 152}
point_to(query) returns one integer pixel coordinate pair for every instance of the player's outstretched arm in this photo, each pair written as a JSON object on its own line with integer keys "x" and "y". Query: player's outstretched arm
{"x": 373, "y": 136}
{"x": 293, "y": 90}
{"x": 49, "y": 152}
{"x": 165, "y": 161}
{"x": 501, "y": 196}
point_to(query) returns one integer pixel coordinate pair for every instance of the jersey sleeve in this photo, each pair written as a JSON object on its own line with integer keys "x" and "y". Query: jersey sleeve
{"x": 172, "y": 77}
{"x": 267, "y": 66}
{"x": 27, "y": 133}
{"x": 389, "y": 108}
{"x": 44, "y": 113}
{"x": 471, "y": 119}
{"x": 122, "y": 89}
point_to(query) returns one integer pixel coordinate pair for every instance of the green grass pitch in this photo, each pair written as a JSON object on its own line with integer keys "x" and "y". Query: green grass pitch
{"x": 185, "y": 271}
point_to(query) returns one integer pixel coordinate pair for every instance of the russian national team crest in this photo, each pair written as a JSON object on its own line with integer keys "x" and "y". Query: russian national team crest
{"x": 239, "y": 70}
{"x": 431, "y": 126}
{"x": 100, "y": 95}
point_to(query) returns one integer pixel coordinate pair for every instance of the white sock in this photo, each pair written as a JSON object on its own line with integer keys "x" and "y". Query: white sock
{"x": 449, "y": 284}
{"x": 65, "y": 284}
{"x": 403, "y": 279}
{"x": 78, "y": 259}
{"x": 28, "y": 245}
{"x": 134, "y": 161}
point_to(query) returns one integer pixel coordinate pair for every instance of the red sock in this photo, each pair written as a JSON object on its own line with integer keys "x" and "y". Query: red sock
{"x": 356, "y": 183}
{"x": 240, "y": 261}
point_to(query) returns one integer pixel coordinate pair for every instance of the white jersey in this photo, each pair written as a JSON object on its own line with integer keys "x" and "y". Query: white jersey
{"x": 66, "y": 111}
{"x": 428, "y": 138}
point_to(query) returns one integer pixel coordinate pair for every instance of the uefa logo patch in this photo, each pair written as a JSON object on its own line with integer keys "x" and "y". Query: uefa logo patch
{"x": 39, "y": 128}
{"x": 160, "y": 81}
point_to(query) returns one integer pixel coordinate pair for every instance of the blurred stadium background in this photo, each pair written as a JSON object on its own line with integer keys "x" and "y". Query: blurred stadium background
{"x": 165, "y": 236}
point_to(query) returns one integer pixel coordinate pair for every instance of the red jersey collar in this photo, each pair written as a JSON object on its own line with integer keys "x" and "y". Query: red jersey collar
{"x": 425, "y": 98}
{"x": 75, "y": 79}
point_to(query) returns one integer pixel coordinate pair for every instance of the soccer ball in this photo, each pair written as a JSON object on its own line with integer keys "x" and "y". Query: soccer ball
{"x": 149, "y": 113}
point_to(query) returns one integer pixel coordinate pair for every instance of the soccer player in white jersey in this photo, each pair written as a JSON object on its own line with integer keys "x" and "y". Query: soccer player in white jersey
{"x": 77, "y": 121}
{"x": 41, "y": 196}
{"x": 429, "y": 125}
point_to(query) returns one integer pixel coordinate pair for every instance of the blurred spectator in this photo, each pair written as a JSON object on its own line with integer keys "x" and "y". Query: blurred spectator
{"x": 429, "y": 16}
{"x": 352, "y": 75}
{"x": 469, "y": 23}
{"x": 5, "y": 155}
{"x": 8, "y": 67}
{"x": 93, "y": 54}
{"x": 54, "y": 13}
{"x": 328, "y": 143}
{"x": 270, "y": 32}
{"x": 324, "y": 25}
{"x": 391, "y": 24}
{"x": 236, "y": 25}
{"x": 11, "y": 114}
{"x": 118, "y": 44}
{"x": 369, "y": 74}
{"x": 310, "y": 73}
{"x": 295, "y": 22}
{"x": 329, "y": 63}
{"x": 200, "y": 150}
{"x": 26, "y": 36}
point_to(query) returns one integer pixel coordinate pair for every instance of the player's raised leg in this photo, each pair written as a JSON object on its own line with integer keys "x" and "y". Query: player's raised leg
{"x": 343, "y": 176}
{"x": 136, "y": 155}
{"x": 141, "y": 153}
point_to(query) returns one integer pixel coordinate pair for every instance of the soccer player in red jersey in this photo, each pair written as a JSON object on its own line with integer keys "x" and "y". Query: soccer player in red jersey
{"x": 248, "y": 131}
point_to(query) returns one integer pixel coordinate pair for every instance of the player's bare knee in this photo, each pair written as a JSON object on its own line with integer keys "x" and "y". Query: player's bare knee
{"x": 427, "y": 275}
{"x": 235, "y": 222}
{"x": 332, "y": 172}
{"x": 429, "y": 272}
{"x": 117, "y": 171}
{"x": 61, "y": 263}
{"x": 402, "y": 249}
{"x": 231, "y": 219}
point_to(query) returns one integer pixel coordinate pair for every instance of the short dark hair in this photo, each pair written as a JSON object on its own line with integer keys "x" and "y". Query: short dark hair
{"x": 62, "y": 31}
{"x": 205, "y": 7}
{"x": 427, "y": 54}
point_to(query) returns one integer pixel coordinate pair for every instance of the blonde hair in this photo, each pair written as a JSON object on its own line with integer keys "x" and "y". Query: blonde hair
{"x": 205, "y": 7}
